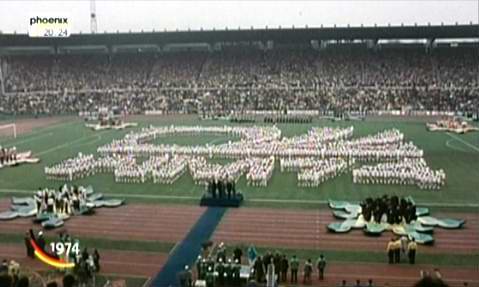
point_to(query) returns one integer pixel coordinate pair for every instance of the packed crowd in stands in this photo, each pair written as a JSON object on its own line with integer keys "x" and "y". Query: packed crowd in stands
{"x": 245, "y": 78}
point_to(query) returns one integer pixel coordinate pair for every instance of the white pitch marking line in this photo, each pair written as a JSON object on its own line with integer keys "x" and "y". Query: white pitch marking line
{"x": 464, "y": 142}
{"x": 98, "y": 138}
{"x": 31, "y": 139}
{"x": 44, "y": 129}
{"x": 453, "y": 147}
{"x": 67, "y": 144}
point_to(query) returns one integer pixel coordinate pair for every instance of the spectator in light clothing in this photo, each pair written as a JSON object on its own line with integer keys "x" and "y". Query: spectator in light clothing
{"x": 404, "y": 244}
{"x": 271, "y": 275}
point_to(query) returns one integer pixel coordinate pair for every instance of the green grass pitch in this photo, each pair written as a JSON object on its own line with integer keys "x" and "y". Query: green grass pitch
{"x": 458, "y": 155}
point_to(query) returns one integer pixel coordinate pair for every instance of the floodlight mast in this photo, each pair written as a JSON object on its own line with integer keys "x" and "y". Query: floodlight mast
{"x": 93, "y": 23}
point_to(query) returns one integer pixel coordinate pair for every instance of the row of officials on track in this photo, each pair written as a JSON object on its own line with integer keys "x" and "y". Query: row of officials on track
{"x": 271, "y": 269}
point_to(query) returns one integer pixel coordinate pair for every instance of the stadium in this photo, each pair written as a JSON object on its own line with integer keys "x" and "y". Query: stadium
{"x": 239, "y": 157}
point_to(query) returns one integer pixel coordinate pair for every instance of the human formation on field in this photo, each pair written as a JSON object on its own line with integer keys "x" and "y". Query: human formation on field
{"x": 317, "y": 156}
{"x": 51, "y": 207}
{"x": 401, "y": 216}
{"x": 117, "y": 125}
{"x": 105, "y": 119}
{"x": 11, "y": 157}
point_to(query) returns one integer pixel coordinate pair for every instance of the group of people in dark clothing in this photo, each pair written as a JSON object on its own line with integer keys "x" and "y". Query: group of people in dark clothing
{"x": 222, "y": 189}
{"x": 220, "y": 270}
{"x": 394, "y": 208}
{"x": 281, "y": 265}
{"x": 87, "y": 265}
{"x": 7, "y": 155}
{"x": 276, "y": 266}
{"x": 272, "y": 268}
{"x": 10, "y": 275}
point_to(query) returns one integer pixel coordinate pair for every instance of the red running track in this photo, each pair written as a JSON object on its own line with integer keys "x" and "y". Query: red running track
{"x": 294, "y": 229}
{"x": 307, "y": 230}
{"x": 164, "y": 223}
{"x": 389, "y": 275}
{"x": 167, "y": 223}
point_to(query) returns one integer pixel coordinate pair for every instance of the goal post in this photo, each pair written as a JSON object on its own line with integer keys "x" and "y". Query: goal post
{"x": 8, "y": 130}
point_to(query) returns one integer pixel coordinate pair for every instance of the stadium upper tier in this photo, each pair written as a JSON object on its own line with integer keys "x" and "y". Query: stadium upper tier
{"x": 245, "y": 78}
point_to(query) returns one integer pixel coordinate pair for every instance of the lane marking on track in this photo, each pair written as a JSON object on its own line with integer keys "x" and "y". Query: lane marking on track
{"x": 263, "y": 200}
{"x": 464, "y": 142}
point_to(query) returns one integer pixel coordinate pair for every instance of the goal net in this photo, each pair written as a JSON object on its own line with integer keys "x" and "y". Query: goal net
{"x": 8, "y": 131}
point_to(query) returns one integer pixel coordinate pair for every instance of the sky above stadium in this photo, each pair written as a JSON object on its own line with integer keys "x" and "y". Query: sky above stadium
{"x": 159, "y": 15}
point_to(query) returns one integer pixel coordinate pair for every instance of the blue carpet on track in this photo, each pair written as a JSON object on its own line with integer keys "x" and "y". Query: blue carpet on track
{"x": 188, "y": 250}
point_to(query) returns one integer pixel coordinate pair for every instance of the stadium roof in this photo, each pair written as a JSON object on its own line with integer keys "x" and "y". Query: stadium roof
{"x": 278, "y": 35}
